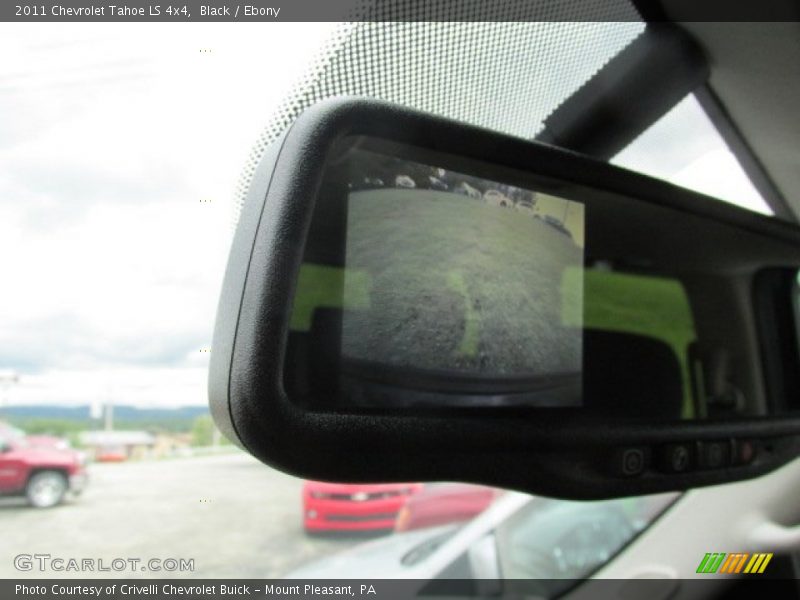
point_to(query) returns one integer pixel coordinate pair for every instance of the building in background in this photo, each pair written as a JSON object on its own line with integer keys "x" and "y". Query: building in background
{"x": 116, "y": 446}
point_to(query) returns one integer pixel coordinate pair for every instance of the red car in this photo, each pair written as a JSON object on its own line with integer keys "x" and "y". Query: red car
{"x": 42, "y": 474}
{"x": 442, "y": 503}
{"x": 353, "y": 507}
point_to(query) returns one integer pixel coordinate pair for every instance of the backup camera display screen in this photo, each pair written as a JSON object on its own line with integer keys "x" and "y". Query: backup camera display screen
{"x": 451, "y": 274}
{"x": 428, "y": 280}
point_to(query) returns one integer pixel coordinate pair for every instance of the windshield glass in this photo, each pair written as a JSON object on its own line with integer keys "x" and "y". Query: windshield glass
{"x": 117, "y": 162}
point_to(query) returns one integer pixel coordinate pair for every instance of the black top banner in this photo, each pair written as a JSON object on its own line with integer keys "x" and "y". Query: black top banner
{"x": 395, "y": 10}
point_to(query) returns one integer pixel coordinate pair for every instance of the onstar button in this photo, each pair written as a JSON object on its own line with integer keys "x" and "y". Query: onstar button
{"x": 744, "y": 453}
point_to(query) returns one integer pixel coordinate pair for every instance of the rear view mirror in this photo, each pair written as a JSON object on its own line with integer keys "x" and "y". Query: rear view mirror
{"x": 410, "y": 298}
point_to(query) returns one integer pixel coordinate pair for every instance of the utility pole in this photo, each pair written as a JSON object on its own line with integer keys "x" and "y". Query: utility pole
{"x": 109, "y": 412}
{"x": 7, "y": 380}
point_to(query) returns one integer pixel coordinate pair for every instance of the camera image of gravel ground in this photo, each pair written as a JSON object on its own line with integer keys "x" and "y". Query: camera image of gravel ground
{"x": 457, "y": 284}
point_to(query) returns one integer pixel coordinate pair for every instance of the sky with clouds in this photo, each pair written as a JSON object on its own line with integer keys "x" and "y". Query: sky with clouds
{"x": 110, "y": 137}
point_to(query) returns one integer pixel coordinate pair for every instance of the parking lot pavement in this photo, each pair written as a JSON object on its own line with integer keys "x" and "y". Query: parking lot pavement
{"x": 234, "y": 516}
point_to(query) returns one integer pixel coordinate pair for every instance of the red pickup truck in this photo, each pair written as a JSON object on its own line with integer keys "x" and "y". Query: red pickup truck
{"x": 43, "y": 474}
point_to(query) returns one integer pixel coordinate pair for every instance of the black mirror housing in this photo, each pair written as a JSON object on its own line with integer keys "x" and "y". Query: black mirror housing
{"x": 611, "y": 445}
